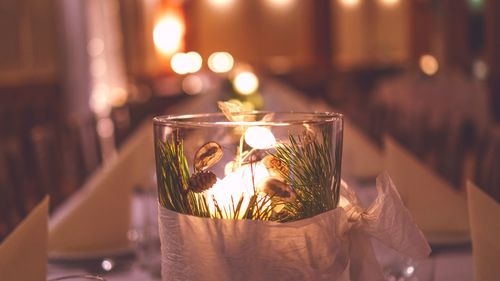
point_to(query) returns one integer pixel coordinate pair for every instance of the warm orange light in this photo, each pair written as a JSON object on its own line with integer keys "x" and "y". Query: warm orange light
{"x": 183, "y": 63}
{"x": 389, "y": 3}
{"x": 118, "y": 96}
{"x": 180, "y": 63}
{"x": 168, "y": 33}
{"x": 99, "y": 101}
{"x": 220, "y": 62}
{"x": 429, "y": 64}
{"x": 280, "y": 3}
{"x": 195, "y": 61}
{"x": 349, "y": 3}
{"x": 221, "y": 3}
{"x": 236, "y": 186}
{"x": 246, "y": 83}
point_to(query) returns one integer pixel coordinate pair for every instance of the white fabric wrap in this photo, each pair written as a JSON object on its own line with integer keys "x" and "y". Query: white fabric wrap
{"x": 331, "y": 246}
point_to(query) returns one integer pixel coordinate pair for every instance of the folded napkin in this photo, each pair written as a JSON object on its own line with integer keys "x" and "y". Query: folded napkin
{"x": 23, "y": 254}
{"x": 361, "y": 158}
{"x": 484, "y": 214}
{"x": 438, "y": 209}
{"x": 97, "y": 218}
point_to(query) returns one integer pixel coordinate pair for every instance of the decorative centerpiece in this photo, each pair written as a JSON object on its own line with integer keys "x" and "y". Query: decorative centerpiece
{"x": 260, "y": 166}
{"x": 253, "y": 196}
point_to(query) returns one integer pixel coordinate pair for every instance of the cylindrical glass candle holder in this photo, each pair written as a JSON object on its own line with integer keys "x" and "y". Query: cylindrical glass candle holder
{"x": 272, "y": 166}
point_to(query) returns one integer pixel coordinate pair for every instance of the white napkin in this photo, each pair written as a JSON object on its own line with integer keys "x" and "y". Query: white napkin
{"x": 97, "y": 218}
{"x": 361, "y": 158}
{"x": 484, "y": 214}
{"x": 23, "y": 254}
{"x": 439, "y": 210}
{"x": 331, "y": 246}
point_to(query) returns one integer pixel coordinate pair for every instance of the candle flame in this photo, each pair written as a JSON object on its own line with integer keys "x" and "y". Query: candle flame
{"x": 236, "y": 186}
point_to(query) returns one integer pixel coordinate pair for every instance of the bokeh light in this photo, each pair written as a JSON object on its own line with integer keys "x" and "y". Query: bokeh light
{"x": 389, "y": 3}
{"x": 281, "y": 3}
{"x": 480, "y": 69}
{"x": 183, "y": 63}
{"x": 350, "y": 3}
{"x": 195, "y": 62}
{"x": 220, "y": 62}
{"x": 221, "y": 3}
{"x": 246, "y": 83}
{"x": 192, "y": 84}
{"x": 98, "y": 102}
{"x": 168, "y": 34}
{"x": 409, "y": 271}
{"x": 118, "y": 96}
{"x": 107, "y": 264}
{"x": 429, "y": 64}
{"x": 105, "y": 129}
{"x": 180, "y": 63}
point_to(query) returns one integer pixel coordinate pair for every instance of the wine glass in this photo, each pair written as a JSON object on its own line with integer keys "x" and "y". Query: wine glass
{"x": 144, "y": 231}
{"x": 397, "y": 267}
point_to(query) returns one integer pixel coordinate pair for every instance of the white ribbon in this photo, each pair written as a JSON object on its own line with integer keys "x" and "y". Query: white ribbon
{"x": 331, "y": 246}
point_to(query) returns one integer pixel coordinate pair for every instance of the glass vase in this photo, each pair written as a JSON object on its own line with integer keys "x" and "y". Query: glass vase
{"x": 272, "y": 166}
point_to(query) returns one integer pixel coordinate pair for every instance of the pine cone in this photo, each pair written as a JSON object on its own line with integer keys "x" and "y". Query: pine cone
{"x": 278, "y": 189}
{"x": 201, "y": 181}
{"x": 275, "y": 166}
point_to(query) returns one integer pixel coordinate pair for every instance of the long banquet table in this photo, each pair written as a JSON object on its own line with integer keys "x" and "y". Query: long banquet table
{"x": 446, "y": 263}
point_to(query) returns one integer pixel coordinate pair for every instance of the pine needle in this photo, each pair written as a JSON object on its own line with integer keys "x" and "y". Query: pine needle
{"x": 313, "y": 174}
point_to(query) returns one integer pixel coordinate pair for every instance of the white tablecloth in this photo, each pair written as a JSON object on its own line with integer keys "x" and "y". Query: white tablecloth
{"x": 454, "y": 264}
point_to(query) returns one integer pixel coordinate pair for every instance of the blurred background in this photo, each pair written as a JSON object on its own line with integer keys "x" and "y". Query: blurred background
{"x": 77, "y": 77}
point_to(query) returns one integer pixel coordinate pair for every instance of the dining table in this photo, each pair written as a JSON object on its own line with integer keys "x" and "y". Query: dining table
{"x": 448, "y": 261}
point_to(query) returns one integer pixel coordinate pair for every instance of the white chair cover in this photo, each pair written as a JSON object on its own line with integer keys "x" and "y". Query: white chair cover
{"x": 361, "y": 158}
{"x": 484, "y": 214}
{"x": 438, "y": 209}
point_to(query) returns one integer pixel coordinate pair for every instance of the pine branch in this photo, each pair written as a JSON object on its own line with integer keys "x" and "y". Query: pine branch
{"x": 311, "y": 172}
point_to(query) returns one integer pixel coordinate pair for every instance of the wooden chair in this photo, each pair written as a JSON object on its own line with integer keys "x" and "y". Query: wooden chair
{"x": 12, "y": 205}
{"x": 46, "y": 152}
{"x": 488, "y": 163}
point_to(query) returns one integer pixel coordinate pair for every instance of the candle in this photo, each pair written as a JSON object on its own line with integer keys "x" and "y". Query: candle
{"x": 227, "y": 192}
